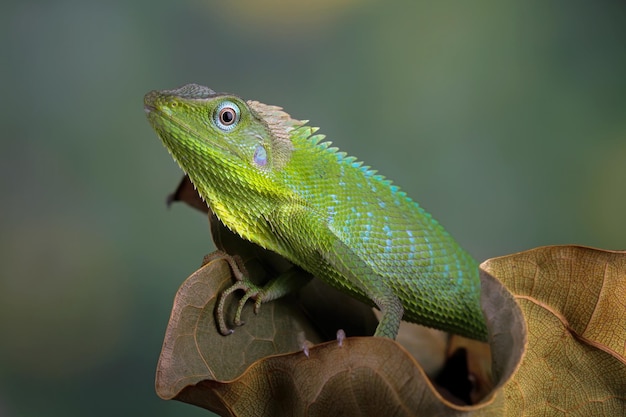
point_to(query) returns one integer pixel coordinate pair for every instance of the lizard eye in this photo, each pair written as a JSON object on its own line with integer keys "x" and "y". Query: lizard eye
{"x": 226, "y": 116}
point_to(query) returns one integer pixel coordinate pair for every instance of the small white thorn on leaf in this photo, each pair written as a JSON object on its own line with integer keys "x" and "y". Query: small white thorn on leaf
{"x": 341, "y": 335}
{"x": 304, "y": 343}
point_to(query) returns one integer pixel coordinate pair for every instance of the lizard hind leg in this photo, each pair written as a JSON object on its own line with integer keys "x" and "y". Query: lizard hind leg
{"x": 392, "y": 312}
{"x": 373, "y": 286}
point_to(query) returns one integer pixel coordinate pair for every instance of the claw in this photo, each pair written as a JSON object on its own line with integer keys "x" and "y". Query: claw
{"x": 234, "y": 261}
{"x": 239, "y": 272}
{"x": 238, "y": 322}
{"x": 257, "y": 302}
{"x": 242, "y": 303}
{"x": 250, "y": 291}
{"x": 223, "y": 328}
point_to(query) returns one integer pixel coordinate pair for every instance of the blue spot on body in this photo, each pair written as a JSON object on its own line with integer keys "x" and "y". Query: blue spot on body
{"x": 366, "y": 235}
{"x": 388, "y": 246}
{"x": 430, "y": 250}
{"x": 381, "y": 204}
{"x": 459, "y": 280}
{"x": 331, "y": 214}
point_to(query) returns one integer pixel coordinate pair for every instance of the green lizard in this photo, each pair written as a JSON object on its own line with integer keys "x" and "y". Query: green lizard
{"x": 273, "y": 181}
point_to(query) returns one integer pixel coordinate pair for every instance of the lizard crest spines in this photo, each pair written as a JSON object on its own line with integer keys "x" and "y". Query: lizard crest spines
{"x": 319, "y": 142}
{"x": 280, "y": 124}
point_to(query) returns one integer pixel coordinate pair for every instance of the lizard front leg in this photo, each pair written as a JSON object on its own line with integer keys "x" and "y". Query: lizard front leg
{"x": 285, "y": 283}
{"x": 345, "y": 269}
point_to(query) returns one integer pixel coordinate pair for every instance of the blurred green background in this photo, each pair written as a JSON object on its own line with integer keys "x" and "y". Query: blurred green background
{"x": 506, "y": 120}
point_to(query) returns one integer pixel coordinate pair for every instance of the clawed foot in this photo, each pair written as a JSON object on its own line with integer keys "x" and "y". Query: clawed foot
{"x": 250, "y": 290}
{"x": 243, "y": 283}
{"x": 286, "y": 282}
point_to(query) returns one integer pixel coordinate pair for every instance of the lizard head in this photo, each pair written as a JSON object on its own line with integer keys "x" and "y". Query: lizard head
{"x": 217, "y": 138}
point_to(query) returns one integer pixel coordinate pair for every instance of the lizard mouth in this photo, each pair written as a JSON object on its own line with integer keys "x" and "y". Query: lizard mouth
{"x": 147, "y": 108}
{"x": 159, "y": 116}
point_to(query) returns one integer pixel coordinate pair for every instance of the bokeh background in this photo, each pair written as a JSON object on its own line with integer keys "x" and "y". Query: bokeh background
{"x": 507, "y": 120}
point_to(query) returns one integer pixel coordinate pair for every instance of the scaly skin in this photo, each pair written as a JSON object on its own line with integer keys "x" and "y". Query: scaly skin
{"x": 271, "y": 180}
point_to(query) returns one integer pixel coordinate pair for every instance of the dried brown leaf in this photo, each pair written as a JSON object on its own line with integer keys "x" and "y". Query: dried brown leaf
{"x": 574, "y": 302}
